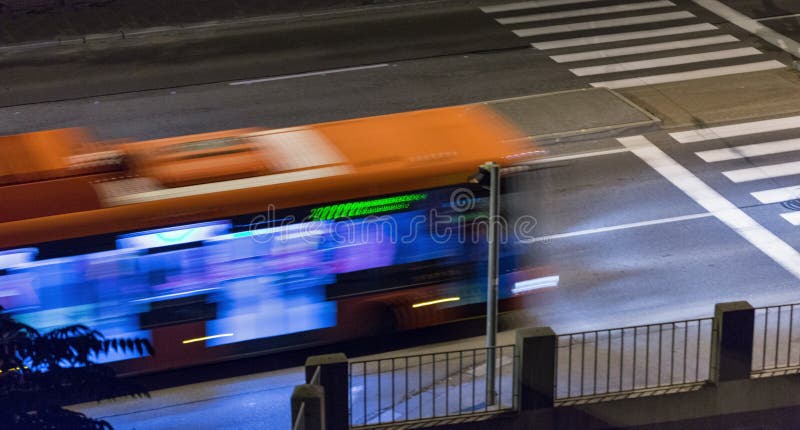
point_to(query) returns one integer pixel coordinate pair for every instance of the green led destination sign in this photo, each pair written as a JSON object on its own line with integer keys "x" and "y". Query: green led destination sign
{"x": 366, "y": 207}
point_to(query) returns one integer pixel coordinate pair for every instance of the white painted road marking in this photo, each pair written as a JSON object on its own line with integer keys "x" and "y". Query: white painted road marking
{"x": 618, "y": 37}
{"x": 746, "y": 151}
{"x": 529, "y": 5}
{"x": 664, "y": 61}
{"x": 792, "y": 217}
{"x": 603, "y": 23}
{"x": 789, "y": 45}
{"x": 734, "y": 130}
{"x": 575, "y": 18}
{"x": 763, "y": 239}
{"x": 695, "y": 74}
{"x": 584, "y": 12}
{"x": 618, "y": 227}
{"x": 764, "y": 172}
{"x": 777, "y": 195}
{"x": 304, "y": 75}
{"x": 643, "y": 49}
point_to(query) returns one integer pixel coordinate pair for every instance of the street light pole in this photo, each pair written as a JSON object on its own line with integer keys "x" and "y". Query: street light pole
{"x": 488, "y": 177}
{"x": 492, "y": 278}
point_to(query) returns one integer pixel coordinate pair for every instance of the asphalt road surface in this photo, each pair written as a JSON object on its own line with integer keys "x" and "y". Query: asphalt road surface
{"x": 640, "y": 229}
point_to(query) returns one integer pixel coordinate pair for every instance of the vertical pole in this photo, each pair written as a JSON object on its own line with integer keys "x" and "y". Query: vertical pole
{"x": 491, "y": 288}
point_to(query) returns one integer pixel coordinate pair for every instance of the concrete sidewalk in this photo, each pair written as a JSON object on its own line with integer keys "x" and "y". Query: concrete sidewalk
{"x": 576, "y": 115}
{"x": 725, "y": 99}
{"x": 583, "y": 120}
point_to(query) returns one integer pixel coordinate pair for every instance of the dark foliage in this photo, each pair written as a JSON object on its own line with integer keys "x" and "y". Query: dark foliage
{"x": 39, "y": 373}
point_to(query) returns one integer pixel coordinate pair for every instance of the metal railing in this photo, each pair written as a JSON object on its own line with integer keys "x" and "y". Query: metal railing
{"x": 774, "y": 330}
{"x": 621, "y": 362}
{"x": 430, "y": 386}
{"x": 300, "y": 421}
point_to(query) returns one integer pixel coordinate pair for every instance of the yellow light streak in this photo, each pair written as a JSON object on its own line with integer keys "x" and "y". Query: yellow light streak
{"x": 435, "y": 302}
{"x": 200, "y": 339}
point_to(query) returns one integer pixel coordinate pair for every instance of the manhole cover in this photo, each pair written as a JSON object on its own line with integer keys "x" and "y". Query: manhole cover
{"x": 792, "y": 204}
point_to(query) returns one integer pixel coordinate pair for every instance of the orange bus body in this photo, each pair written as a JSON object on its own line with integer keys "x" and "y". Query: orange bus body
{"x": 80, "y": 190}
{"x": 381, "y": 155}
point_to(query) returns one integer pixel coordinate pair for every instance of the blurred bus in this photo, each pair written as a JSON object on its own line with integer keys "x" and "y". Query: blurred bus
{"x": 241, "y": 242}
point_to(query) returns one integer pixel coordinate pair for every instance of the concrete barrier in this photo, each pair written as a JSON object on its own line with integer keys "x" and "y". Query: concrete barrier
{"x": 333, "y": 376}
{"x": 537, "y": 383}
{"x": 308, "y": 407}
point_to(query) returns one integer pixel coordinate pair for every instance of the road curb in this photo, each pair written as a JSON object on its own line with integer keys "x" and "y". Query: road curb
{"x": 621, "y": 115}
{"x": 678, "y": 106}
{"x": 597, "y": 133}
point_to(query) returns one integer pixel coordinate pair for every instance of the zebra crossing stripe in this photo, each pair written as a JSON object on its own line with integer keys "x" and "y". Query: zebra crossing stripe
{"x": 584, "y": 12}
{"x": 507, "y": 7}
{"x": 792, "y": 217}
{"x": 733, "y": 130}
{"x": 754, "y": 150}
{"x": 604, "y": 23}
{"x": 763, "y": 172}
{"x": 777, "y": 195}
{"x": 643, "y": 49}
{"x": 618, "y": 37}
{"x": 712, "y": 201}
{"x": 694, "y": 74}
{"x": 664, "y": 62}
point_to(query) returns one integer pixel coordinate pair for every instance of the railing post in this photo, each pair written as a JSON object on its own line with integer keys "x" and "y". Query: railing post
{"x": 537, "y": 373}
{"x": 333, "y": 376}
{"x": 732, "y": 346}
{"x": 312, "y": 397}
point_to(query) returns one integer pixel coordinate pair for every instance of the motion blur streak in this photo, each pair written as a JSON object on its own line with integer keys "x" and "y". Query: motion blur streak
{"x": 240, "y": 242}
{"x": 435, "y": 302}
{"x": 535, "y": 284}
{"x": 200, "y": 339}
